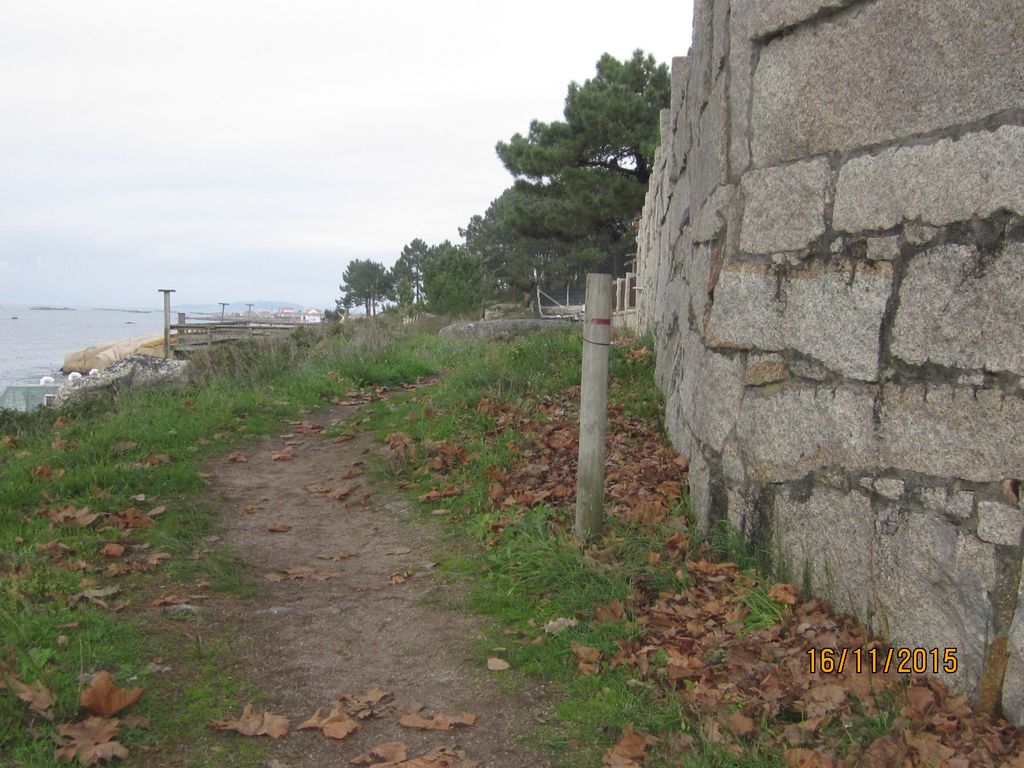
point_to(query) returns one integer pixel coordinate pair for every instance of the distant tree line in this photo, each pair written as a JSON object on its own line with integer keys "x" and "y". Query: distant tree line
{"x": 578, "y": 187}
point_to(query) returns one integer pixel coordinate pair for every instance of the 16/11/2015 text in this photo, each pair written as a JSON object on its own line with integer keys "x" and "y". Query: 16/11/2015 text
{"x": 903, "y": 661}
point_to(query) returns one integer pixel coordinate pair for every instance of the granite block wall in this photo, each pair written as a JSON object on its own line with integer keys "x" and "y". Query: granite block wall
{"x": 832, "y": 262}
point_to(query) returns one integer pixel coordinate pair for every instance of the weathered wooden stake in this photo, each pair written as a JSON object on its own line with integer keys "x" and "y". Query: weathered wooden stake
{"x": 597, "y": 334}
{"x": 167, "y": 320}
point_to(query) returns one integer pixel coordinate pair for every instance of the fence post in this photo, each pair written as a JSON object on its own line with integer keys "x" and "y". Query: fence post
{"x": 597, "y": 333}
{"x": 167, "y": 320}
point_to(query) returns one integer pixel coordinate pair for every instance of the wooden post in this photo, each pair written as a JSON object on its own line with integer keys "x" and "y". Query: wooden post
{"x": 597, "y": 334}
{"x": 167, "y": 320}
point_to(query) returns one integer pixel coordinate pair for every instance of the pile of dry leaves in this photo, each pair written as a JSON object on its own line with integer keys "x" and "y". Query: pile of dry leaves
{"x": 348, "y": 711}
{"x": 741, "y": 684}
{"x": 93, "y": 739}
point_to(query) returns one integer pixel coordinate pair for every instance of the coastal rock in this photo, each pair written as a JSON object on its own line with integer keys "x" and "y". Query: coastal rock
{"x": 133, "y": 371}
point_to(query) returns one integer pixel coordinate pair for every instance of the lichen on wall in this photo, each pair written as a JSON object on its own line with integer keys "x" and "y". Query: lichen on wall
{"x": 831, "y": 259}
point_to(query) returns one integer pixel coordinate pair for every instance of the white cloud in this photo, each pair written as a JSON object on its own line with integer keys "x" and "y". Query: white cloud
{"x": 135, "y": 133}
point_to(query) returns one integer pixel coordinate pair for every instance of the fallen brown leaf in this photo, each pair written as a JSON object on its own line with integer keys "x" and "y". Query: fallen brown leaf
{"x": 364, "y": 705}
{"x": 104, "y": 697}
{"x": 739, "y": 724}
{"x": 809, "y": 758}
{"x": 628, "y": 750}
{"x": 285, "y": 455}
{"x": 113, "y": 549}
{"x": 279, "y": 528}
{"x": 787, "y": 594}
{"x": 613, "y": 612}
{"x": 90, "y": 741}
{"x": 37, "y": 696}
{"x": 71, "y": 516}
{"x": 588, "y": 660}
{"x": 251, "y": 724}
{"x": 337, "y": 725}
{"x": 437, "y": 722}
{"x": 438, "y": 757}
{"x": 336, "y": 558}
{"x": 45, "y": 472}
{"x": 441, "y": 493}
{"x": 160, "y": 602}
{"x": 130, "y": 518}
{"x": 339, "y": 493}
{"x": 392, "y": 752}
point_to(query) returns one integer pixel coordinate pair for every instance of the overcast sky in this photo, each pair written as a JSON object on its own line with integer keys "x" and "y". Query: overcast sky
{"x": 240, "y": 151}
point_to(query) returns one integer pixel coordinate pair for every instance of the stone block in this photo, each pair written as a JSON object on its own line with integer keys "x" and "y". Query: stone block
{"x": 785, "y": 207}
{"x": 711, "y": 218}
{"x": 701, "y": 76}
{"x": 741, "y": 75}
{"x": 890, "y": 487}
{"x": 765, "y": 369}
{"x": 732, "y": 464}
{"x": 932, "y": 586}
{"x": 696, "y": 265}
{"x": 1013, "y": 680}
{"x": 738, "y": 510}
{"x": 828, "y": 536}
{"x": 665, "y": 124}
{"x": 678, "y": 210}
{"x": 680, "y": 74}
{"x": 719, "y": 34}
{"x": 691, "y": 362}
{"x": 786, "y": 435}
{"x": 706, "y": 164}
{"x": 889, "y": 69}
{"x": 770, "y": 16}
{"x": 746, "y": 312}
{"x": 963, "y": 309}
{"x": 718, "y": 395}
{"x": 916, "y": 233}
{"x": 956, "y": 505}
{"x": 700, "y": 484}
{"x": 883, "y": 248}
{"x": 807, "y": 368}
{"x": 938, "y": 184}
{"x": 835, "y": 316}
{"x": 1000, "y": 523}
{"x": 948, "y": 431}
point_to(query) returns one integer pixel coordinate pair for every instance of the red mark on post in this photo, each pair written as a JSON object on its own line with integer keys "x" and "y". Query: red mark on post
{"x": 601, "y": 321}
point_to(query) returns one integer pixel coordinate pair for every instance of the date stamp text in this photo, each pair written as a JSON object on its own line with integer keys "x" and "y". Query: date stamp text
{"x": 902, "y": 661}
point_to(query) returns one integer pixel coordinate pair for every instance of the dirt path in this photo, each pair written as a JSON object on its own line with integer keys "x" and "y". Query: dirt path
{"x": 356, "y": 630}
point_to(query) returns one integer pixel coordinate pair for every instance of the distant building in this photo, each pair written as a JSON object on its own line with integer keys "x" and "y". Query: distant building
{"x": 312, "y": 316}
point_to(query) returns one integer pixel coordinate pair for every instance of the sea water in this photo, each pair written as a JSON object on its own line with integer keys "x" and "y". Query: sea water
{"x": 33, "y": 342}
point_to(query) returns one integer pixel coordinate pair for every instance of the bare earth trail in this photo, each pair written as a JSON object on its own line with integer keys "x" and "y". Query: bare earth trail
{"x": 316, "y": 636}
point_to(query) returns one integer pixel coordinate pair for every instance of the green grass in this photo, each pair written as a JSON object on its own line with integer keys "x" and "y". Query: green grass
{"x": 96, "y": 453}
{"x": 764, "y": 612}
{"x": 533, "y": 571}
{"x": 524, "y": 569}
